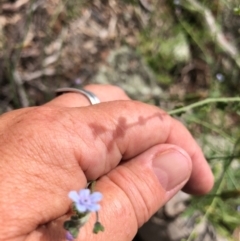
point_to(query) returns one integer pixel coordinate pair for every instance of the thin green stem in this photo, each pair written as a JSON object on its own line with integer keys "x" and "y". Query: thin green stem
{"x": 222, "y": 157}
{"x": 203, "y": 102}
{"x": 191, "y": 33}
{"x": 219, "y": 187}
{"x": 211, "y": 127}
{"x": 210, "y": 208}
{"x": 232, "y": 180}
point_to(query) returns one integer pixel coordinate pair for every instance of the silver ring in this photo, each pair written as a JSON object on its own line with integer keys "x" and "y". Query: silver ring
{"x": 91, "y": 97}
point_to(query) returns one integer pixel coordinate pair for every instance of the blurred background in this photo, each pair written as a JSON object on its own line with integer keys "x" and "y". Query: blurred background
{"x": 181, "y": 55}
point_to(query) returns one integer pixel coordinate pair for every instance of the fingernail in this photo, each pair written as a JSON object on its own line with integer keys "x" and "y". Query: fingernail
{"x": 171, "y": 168}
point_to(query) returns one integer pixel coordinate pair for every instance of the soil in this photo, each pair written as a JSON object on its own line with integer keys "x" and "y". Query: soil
{"x": 56, "y": 43}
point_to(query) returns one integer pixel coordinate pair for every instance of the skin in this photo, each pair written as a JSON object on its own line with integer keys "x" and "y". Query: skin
{"x": 50, "y": 150}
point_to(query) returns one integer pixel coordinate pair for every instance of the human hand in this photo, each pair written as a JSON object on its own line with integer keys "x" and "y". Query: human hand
{"x": 139, "y": 154}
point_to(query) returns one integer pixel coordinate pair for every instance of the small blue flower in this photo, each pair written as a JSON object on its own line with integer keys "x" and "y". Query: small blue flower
{"x": 177, "y": 2}
{"x": 85, "y": 201}
{"x": 220, "y": 77}
{"x": 69, "y": 236}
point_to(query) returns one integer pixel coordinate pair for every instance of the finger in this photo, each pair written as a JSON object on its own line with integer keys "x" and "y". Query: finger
{"x": 112, "y": 130}
{"x": 104, "y": 134}
{"x": 201, "y": 172}
{"x": 115, "y": 93}
{"x": 133, "y": 192}
{"x": 103, "y": 92}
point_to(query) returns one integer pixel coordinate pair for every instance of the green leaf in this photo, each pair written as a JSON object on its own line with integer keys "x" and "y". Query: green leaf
{"x": 75, "y": 223}
{"x": 98, "y": 227}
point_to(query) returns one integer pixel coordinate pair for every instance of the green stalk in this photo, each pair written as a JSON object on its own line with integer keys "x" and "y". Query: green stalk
{"x": 203, "y": 102}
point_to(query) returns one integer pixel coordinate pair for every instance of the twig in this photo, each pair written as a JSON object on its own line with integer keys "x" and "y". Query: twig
{"x": 58, "y": 45}
{"x": 21, "y": 91}
{"x": 146, "y": 5}
{"x": 203, "y": 102}
{"x": 13, "y": 7}
{"x": 37, "y": 74}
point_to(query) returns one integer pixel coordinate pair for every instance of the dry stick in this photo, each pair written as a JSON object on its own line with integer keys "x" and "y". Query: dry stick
{"x": 48, "y": 71}
{"x": 20, "y": 89}
{"x": 58, "y": 47}
{"x": 13, "y": 7}
{"x": 146, "y": 5}
{"x": 38, "y": 74}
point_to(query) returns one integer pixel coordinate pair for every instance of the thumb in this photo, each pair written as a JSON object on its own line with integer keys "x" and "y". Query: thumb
{"x": 136, "y": 189}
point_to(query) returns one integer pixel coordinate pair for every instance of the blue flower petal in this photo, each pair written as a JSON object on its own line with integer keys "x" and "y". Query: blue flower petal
{"x": 96, "y": 197}
{"x": 94, "y": 207}
{"x": 81, "y": 208}
{"x": 84, "y": 194}
{"x": 73, "y": 196}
